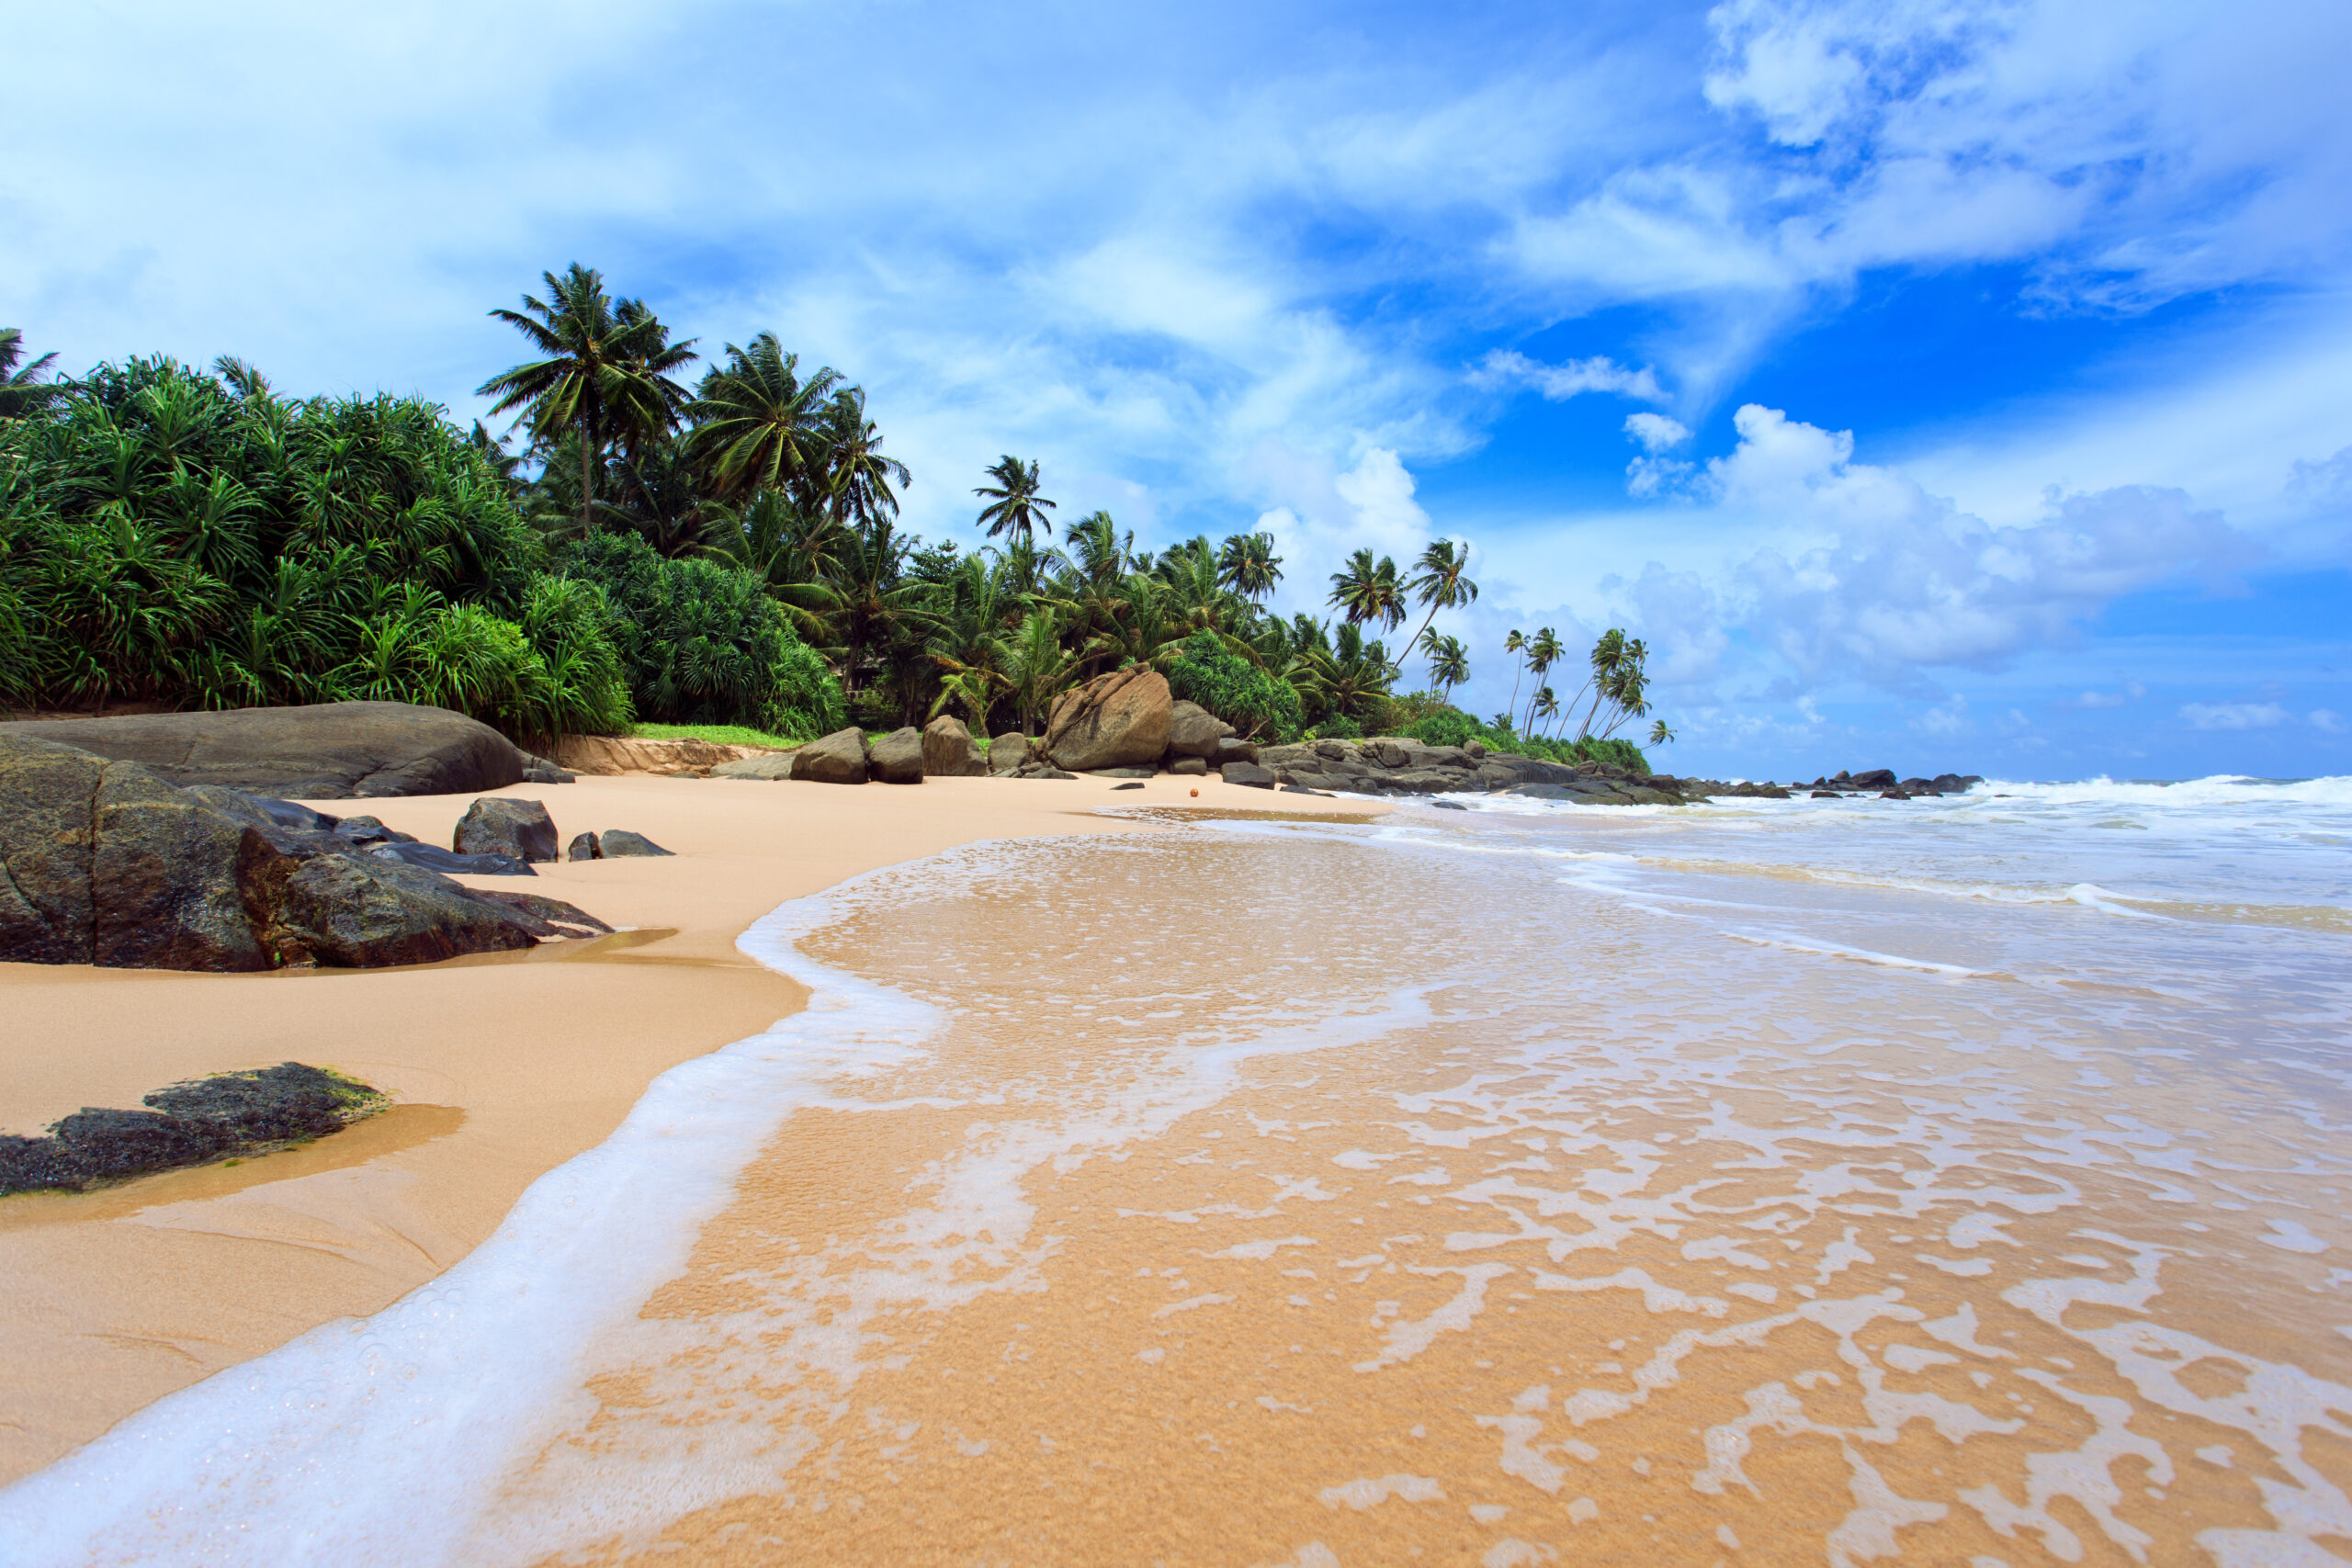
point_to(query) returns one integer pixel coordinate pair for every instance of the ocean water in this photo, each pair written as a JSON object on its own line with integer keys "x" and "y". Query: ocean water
{"x": 1954, "y": 1182}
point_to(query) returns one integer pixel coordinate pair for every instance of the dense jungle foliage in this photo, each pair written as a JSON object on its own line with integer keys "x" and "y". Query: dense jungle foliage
{"x": 726, "y": 553}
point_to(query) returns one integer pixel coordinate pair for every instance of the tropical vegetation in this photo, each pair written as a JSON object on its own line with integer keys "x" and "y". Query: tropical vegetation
{"x": 644, "y": 546}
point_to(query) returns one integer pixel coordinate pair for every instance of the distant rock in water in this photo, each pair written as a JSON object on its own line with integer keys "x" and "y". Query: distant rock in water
{"x": 327, "y": 751}
{"x": 104, "y": 863}
{"x": 188, "y": 1123}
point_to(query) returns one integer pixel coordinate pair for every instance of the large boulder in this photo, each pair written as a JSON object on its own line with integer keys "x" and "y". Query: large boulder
{"x": 108, "y": 863}
{"x": 1009, "y": 752}
{"x": 329, "y": 751}
{"x": 620, "y": 843}
{"x": 1249, "y": 773}
{"x": 1193, "y": 731}
{"x": 1115, "y": 720}
{"x": 949, "y": 751}
{"x": 896, "y": 758}
{"x": 765, "y": 765}
{"x": 839, "y": 757}
{"x": 496, "y": 826}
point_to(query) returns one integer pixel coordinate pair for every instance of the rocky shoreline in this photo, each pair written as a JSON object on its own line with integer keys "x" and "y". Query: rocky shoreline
{"x": 186, "y": 1125}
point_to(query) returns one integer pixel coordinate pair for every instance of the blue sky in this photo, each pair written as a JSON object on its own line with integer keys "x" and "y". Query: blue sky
{"x": 1932, "y": 386}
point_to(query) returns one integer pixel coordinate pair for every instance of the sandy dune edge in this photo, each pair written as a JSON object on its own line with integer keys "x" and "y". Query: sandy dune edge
{"x": 503, "y": 1066}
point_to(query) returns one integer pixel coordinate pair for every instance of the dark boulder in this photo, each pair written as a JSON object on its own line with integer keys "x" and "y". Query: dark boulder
{"x": 584, "y": 847}
{"x": 770, "y": 765}
{"x": 1131, "y": 783}
{"x": 449, "y": 862}
{"x": 545, "y": 916}
{"x": 1193, "y": 731}
{"x": 1122, "y": 773}
{"x": 328, "y": 751}
{"x": 620, "y": 843}
{"x": 1250, "y": 775}
{"x": 896, "y": 758}
{"x": 540, "y": 770}
{"x": 839, "y": 757}
{"x": 175, "y": 880}
{"x": 46, "y": 847}
{"x": 1189, "y": 767}
{"x": 1232, "y": 751}
{"x": 1877, "y": 778}
{"x": 496, "y": 826}
{"x": 362, "y": 831}
{"x": 949, "y": 751}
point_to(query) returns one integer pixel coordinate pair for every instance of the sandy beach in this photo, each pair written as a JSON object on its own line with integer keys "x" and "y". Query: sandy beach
{"x": 500, "y": 1067}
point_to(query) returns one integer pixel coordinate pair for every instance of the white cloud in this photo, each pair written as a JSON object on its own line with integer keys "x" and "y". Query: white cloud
{"x": 2099, "y": 700}
{"x": 2234, "y": 715}
{"x": 1655, "y": 431}
{"x": 1322, "y": 512}
{"x": 2328, "y": 719}
{"x": 1506, "y": 367}
{"x": 1947, "y": 718}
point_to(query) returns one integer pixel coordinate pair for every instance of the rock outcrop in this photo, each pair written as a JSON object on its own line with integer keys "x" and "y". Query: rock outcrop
{"x": 609, "y": 756}
{"x": 1120, "y": 719}
{"x": 1193, "y": 731}
{"x": 949, "y": 751}
{"x": 1396, "y": 765}
{"x": 328, "y": 751}
{"x": 188, "y": 1123}
{"x": 620, "y": 843}
{"x": 896, "y": 758}
{"x": 107, "y": 863}
{"x": 839, "y": 757}
{"x": 494, "y": 825}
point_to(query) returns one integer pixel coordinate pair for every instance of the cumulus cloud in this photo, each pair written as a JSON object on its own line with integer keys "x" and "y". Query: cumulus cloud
{"x": 1655, "y": 431}
{"x": 2328, "y": 719}
{"x": 2234, "y": 715}
{"x": 1323, "y": 512}
{"x": 1508, "y": 368}
{"x": 1900, "y": 581}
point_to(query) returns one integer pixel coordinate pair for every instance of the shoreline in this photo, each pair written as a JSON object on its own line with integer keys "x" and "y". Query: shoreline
{"x": 501, "y": 1068}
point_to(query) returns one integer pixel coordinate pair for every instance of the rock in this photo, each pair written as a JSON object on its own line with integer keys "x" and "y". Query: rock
{"x": 108, "y": 863}
{"x": 540, "y": 770}
{"x": 1231, "y": 750}
{"x": 1132, "y": 784}
{"x": 449, "y": 862}
{"x": 1123, "y": 773}
{"x": 362, "y": 831}
{"x": 949, "y": 751}
{"x": 191, "y": 1123}
{"x": 1249, "y": 775}
{"x": 1892, "y": 795}
{"x": 328, "y": 751}
{"x": 896, "y": 758}
{"x": 1008, "y": 751}
{"x": 45, "y": 795}
{"x": 1189, "y": 767}
{"x": 1475, "y": 751}
{"x": 497, "y": 825}
{"x": 1877, "y": 778}
{"x": 545, "y": 916}
{"x": 1302, "y": 789}
{"x": 610, "y": 756}
{"x": 1116, "y": 720}
{"x": 1825, "y": 794}
{"x": 771, "y": 765}
{"x": 839, "y": 757}
{"x": 1036, "y": 770}
{"x": 584, "y": 847}
{"x": 620, "y": 843}
{"x": 1449, "y": 806}
{"x": 1193, "y": 731}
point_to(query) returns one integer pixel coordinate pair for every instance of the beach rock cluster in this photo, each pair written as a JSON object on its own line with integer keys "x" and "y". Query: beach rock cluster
{"x": 1881, "y": 782}
{"x": 187, "y": 1123}
{"x": 105, "y": 863}
{"x": 614, "y": 843}
{"x": 327, "y": 751}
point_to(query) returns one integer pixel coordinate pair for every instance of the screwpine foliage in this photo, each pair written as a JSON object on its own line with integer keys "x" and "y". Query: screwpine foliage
{"x": 1241, "y": 692}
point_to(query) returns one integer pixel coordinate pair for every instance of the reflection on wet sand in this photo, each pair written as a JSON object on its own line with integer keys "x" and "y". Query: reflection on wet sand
{"x": 1292, "y": 1198}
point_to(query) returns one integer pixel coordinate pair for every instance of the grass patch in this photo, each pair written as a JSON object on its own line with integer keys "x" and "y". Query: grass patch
{"x": 716, "y": 734}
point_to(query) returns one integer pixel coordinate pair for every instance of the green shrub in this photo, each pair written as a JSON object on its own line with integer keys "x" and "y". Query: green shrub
{"x": 702, "y": 643}
{"x": 1243, "y": 695}
{"x": 1451, "y": 726}
{"x": 1336, "y": 727}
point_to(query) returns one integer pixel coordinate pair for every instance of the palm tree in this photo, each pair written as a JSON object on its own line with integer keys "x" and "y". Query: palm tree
{"x": 1516, "y": 643}
{"x": 857, "y": 476}
{"x": 1015, "y": 506}
{"x": 1449, "y": 661}
{"x": 1660, "y": 735}
{"x": 1545, "y": 705}
{"x": 21, "y": 391}
{"x": 757, "y": 424}
{"x": 1248, "y": 565}
{"x": 606, "y": 373}
{"x": 1441, "y": 583}
{"x": 1364, "y": 592}
{"x": 1543, "y": 652}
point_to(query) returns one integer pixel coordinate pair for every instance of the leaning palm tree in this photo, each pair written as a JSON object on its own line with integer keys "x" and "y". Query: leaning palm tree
{"x": 21, "y": 391}
{"x": 1542, "y": 651}
{"x": 1364, "y": 590}
{"x": 1246, "y": 564}
{"x": 606, "y": 374}
{"x": 1441, "y": 581}
{"x": 757, "y": 424}
{"x": 858, "y": 477}
{"x": 1449, "y": 661}
{"x": 1660, "y": 735}
{"x": 1014, "y": 506}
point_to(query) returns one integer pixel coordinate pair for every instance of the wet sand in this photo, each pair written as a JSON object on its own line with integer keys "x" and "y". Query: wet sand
{"x": 502, "y": 1067}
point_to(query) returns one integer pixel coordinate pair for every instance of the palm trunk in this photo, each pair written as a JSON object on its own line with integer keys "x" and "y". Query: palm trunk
{"x": 587, "y": 445}
{"x": 1516, "y": 676}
